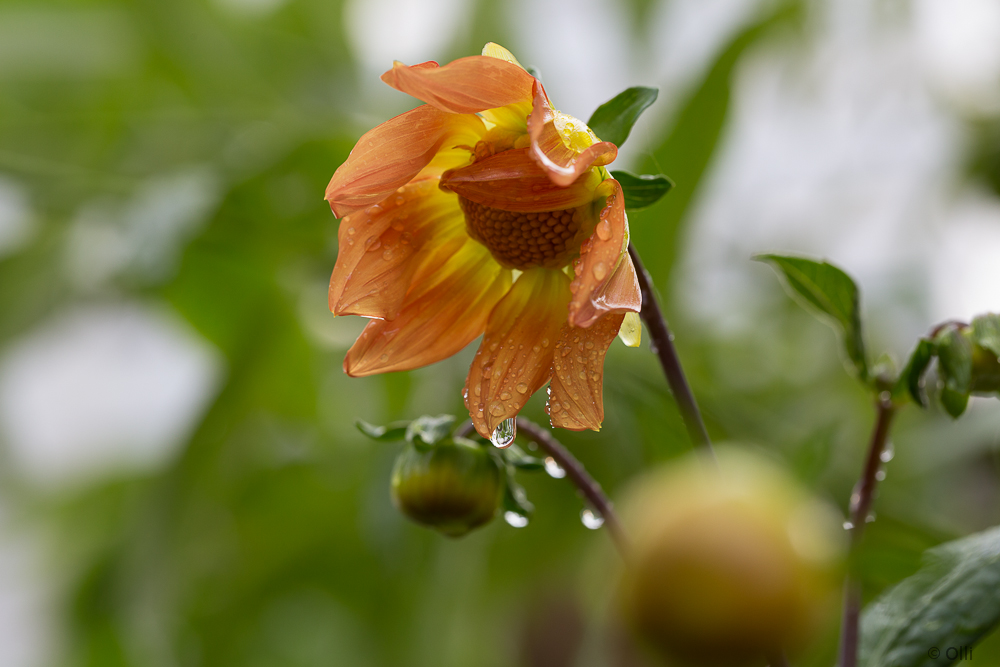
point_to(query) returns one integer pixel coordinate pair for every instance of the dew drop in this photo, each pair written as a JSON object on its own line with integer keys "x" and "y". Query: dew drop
{"x": 515, "y": 520}
{"x": 604, "y": 229}
{"x": 545, "y": 342}
{"x": 521, "y": 388}
{"x": 504, "y": 434}
{"x": 591, "y": 519}
{"x": 887, "y": 453}
{"x": 505, "y": 396}
{"x": 600, "y": 271}
{"x": 384, "y": 358}
{"x": 554, "y": 469}
{"x": 496, "y": 410}
{"x": 351, "y": 231}
{"x": 870, "y": 518}
{"x": 848, "y": 525}
{"x": 880, "y": 475}
{"x": 400, "y": 200}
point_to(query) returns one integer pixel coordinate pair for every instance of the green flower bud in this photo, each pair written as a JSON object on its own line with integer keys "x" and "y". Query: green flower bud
{"x": 985, "y": 370}
{"x": 452, "y": 486}
{"x": 729, "y": 565}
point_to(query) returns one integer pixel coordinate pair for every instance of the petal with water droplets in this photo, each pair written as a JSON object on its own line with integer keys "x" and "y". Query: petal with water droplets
{"x": 605, "y": 280}
{"x": 576, "y": 394}
{"x": 386, "y": 248}
{"x": 516, "y": 348}
{"x": 390, "y": 155}
{"x": 440, "y": 315}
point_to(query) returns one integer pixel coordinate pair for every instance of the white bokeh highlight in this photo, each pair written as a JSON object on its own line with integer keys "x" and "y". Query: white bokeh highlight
{"x": 101, "y": 389}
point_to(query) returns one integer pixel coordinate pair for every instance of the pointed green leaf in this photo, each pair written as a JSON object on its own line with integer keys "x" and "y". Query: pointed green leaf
{"x": 642, "y": 191}
{"x": 911, "y": 379}
{"x": 429, "y": 430}
{"x": 613, "y": 120}
{"x": 393, "y": 431}
{"x": 951, "y": 601}
{"x": 832, "y": 293}
{"x": 954, "y": 350}
{"x": 986, "y": 331}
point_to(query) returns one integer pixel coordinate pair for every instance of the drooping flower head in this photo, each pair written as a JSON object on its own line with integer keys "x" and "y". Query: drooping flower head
{"x": 485, "y": 212}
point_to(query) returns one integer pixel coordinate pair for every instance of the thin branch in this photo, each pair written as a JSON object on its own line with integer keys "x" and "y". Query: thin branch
{"x": 663, "y": 346}
{"x": 577, "y": 474}
{"x": 861, "y": 503}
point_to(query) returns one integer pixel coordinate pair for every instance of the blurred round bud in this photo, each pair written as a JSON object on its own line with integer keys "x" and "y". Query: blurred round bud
{"x": 452, "y": 486}
{"x": 730, "y": 564}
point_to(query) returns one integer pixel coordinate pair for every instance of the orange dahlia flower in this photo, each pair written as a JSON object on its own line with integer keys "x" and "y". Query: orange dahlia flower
{"x": 485, "y": 211}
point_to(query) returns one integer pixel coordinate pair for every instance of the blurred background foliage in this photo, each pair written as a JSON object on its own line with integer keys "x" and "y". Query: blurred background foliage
{"x": 181, "y": 481}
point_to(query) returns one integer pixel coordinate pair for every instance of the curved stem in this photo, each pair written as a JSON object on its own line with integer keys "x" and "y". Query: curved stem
{"x": 861, "y": 503}
{"x": 577, "y": 474}
{"x": 663, "y": 346}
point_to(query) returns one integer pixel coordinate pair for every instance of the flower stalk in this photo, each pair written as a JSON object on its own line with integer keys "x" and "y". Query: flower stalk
{"x": 861, "y": 503}
{"x": 663, "y": 346}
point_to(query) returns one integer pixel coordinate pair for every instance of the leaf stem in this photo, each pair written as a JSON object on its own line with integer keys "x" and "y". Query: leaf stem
{"x": 577, "y": 474}
{"x": 663, "y": 346}
{"x": 861, "y": 502}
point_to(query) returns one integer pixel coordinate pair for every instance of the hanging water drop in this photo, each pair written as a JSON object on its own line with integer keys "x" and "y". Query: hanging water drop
{"x": 554, "y": 470}
{"x": 870, "y": 518}
{"x": 504, "y": 434}
{"x": 591, "y": 519}
{"x": 888, "y": 452}
{"x": 514, "y": 519}
{"x": 848, "y": 525}
{"x": 880, "y": 475}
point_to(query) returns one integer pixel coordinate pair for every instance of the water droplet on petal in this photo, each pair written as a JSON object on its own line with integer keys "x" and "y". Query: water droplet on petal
{"x": 505, "y": 396}
{"x": 521, "y": 388}
{"x": 504, "y": 434}
{"x": 600, "y": 271}
{"x": 887, "y": 453}
{"x": 515, "y": 520}
{"x": 496, "y": 409}
{"x": 554, "y": 469}
{"x": 400, "y": 200}
{"x": 604, "y": 229}
{"x": 384, "y": 357}
{"x": 351, "y": 230}
{"x": 591, "y": 519}
{"x": 870, "y": 518}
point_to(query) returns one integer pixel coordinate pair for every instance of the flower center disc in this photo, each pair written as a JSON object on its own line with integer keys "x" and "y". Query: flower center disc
{"x": 523, "y": 240}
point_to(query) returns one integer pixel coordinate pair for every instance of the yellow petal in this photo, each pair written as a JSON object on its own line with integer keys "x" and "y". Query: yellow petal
{"x": 515, "y": 358}
{"x": 576, "y": 394}
{"x": 440, "y": 315}
{"x": 631, "y": 330}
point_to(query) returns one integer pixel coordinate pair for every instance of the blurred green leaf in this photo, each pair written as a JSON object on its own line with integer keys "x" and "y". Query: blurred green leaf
{"x": 954, "y": 350}
{"x": 516, "y": 457}
{"x": 514, "y": 497}
{"x": 950, "y": 602}
{"x": 644, "y": 190}
{"x": 911, "y": 379}
{"x": 389, "y": 432}
{"x": 430, "y": 430}
{"x": 830, "y": 291}
{"x": 691, "y": 138}
{"x": 613, "y": 120}
{"x": 986, "y": 332}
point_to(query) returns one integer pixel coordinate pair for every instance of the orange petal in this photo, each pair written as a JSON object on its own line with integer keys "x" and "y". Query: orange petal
{"x": 605, "y": 276}
{"x": 512, "y": 181}
{"x": 391, "y": 154}
{"x": 382, "y": 248}
{"x": 576, "y": 394}
{"x": 440, "y": 315}
{"x": 515, "y": 358}
{"x": 464, "y": 86}
{"x": 562, "y": 145}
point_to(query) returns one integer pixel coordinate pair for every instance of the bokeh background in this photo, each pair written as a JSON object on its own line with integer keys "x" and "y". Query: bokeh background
{"x": 181, "y": 483}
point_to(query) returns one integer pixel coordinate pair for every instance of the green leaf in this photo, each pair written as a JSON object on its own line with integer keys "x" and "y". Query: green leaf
{"x": 985, "y": 331}
{"x": 393, "y": 431}
{"x": 911, "y": 379}
{"x": 954, "y": 350}
{"x": 642, "y": 191}
{"x": 516, "y": 457}
{"x": 429, "y": 430}
{"x": 613, "y": 120}
{"x": 950, "y": 602}
{"x": 830, "y": 291}
{"x": 514, "y": 498}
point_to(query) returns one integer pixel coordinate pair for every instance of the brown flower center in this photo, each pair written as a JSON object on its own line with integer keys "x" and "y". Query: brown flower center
{"x": 522, "y": 240}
